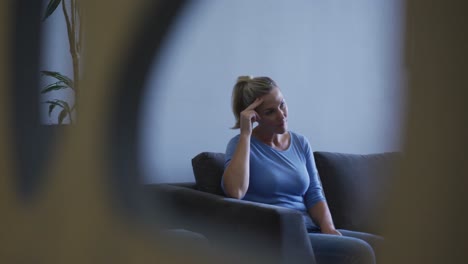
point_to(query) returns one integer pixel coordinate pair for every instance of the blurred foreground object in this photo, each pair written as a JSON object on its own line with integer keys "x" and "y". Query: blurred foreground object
{"x": 426, "y": 221}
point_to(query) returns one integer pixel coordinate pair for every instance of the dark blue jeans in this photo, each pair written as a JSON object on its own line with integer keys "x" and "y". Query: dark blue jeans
{"x": 351, "y": 248}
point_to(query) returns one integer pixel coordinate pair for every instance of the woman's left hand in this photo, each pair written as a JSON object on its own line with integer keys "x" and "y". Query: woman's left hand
{"x": 331, "y": 231}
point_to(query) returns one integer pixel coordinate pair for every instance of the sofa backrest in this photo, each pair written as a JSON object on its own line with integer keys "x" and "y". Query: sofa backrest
{"x": 208, "y": 168}
{"x": 355, "y": 185}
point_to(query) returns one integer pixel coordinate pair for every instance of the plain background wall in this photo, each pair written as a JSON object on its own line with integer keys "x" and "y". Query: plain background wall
{"x": 338, "y": 63}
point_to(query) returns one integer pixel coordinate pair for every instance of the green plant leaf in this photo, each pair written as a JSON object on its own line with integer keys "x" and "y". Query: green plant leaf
{"x": 59, "y": 77}
{"x": 51, "y": 108}
{"x": 62, "y": 116}
{"x": 55, "y": 103}
{"x": 54, "y": 87}
{"x": 63, "y": 104}
{"x": 53, "y": 4}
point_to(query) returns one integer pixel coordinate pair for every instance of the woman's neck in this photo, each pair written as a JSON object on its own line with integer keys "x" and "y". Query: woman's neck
{"x": 280, "y": 141}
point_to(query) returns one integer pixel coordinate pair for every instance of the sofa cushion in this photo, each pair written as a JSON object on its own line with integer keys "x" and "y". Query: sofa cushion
{"x": 356, "y": 187}
{"x": 208, "y": 168}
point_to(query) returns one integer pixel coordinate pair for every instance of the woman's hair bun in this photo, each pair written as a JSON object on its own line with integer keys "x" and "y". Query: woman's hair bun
{"x": 244, "y": 78}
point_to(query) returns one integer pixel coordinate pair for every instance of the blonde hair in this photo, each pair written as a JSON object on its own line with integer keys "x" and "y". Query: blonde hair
{"x": 246, "y": 90}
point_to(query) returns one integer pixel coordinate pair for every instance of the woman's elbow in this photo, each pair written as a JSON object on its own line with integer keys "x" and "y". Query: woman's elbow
{"x": 233, "y": 188}
{"x": 235, "y": 193}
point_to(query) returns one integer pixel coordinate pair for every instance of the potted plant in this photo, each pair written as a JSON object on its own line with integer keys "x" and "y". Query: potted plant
{"x": 72, "y": 13}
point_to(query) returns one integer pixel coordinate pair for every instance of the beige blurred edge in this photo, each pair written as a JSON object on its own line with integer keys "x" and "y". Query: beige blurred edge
{"x": 425, "y": 219}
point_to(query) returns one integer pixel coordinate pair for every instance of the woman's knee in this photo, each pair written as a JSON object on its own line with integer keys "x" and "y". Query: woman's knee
{"x": 360, "y": 251}
{"x": 341, "y": 249}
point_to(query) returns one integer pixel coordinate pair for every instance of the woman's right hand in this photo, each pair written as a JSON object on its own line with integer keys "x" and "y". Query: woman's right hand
{"x": 249, "y": 116}
{"x": 237, "y": 173}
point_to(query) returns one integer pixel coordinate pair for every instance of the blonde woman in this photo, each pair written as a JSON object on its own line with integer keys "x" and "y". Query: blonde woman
{"x": 270, "y": 164}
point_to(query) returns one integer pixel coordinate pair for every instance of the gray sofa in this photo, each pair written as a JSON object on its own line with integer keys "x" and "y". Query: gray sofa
{"x": 356, "y": 188}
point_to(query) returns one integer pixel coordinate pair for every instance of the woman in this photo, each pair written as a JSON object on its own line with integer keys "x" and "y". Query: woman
{"x": 270, "y": 164}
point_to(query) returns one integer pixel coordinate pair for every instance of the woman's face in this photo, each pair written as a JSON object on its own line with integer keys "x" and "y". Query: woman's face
{"x": 273, "y": 112}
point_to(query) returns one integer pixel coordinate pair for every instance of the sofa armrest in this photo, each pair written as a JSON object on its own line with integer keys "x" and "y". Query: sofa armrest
{"x": 191, "y": 185}
{"x": 256, "y": 230}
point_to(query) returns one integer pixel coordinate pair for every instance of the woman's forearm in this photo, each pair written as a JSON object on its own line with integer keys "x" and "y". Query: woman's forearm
{"x": 321, "y": 215}
{"x": 236, "y": 174}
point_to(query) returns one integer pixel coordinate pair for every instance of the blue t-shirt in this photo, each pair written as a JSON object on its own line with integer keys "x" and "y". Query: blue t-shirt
{"x": 286, "y": 178}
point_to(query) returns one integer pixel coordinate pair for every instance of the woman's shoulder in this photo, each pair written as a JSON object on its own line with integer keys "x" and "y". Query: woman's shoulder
{"x": 301, "y": 142}
{"x": 232, "y": 143}
{"x": 298, "y": 137}
{"x": 234, "y": 139}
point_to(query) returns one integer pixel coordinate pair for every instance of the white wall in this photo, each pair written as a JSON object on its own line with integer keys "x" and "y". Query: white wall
{"x": 338, "y": 64}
